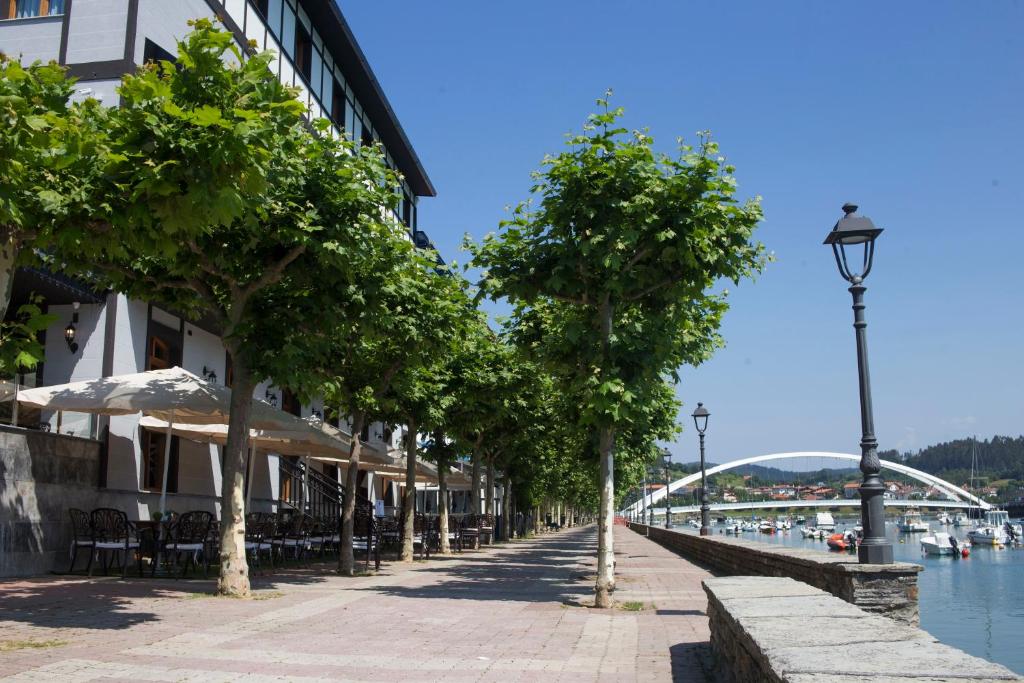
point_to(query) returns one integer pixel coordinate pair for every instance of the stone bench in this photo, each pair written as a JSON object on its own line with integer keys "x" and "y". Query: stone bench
{"x": 777, "y": 629}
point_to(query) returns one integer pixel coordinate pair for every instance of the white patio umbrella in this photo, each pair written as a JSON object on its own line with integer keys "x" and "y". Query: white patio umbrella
{"x": 171, "y": 394}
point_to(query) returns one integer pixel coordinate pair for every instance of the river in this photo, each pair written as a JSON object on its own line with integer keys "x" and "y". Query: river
{"x": 975, "y": 604}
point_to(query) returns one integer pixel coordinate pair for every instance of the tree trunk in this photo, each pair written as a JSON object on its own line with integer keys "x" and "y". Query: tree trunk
{"x": 605, "y": 549}
{"x": 8, "y": 258}
{"x": 506, "y": 509}
{"x": 409, "y": 504}
{"x": 234, "y": 569}
{"x": 346, "y": 557}
{"x": 443, "y": 505}
{"x": 489, "y": 494}
{"x": 475, "y": 498}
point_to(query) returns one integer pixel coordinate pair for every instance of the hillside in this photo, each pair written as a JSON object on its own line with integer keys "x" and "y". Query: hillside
{"x": 998, "y": 458}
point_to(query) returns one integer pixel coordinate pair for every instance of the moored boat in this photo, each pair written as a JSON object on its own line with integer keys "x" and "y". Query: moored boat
{"x": 993, "y": 531}
{"x": 844, "y": 541}
{"x": 800, "y": 519}
{"x": 824, "y": 520}
{"x": 960, "y": 519}
{"x": 940, "y": 543}
{"x": 911, "y": 522}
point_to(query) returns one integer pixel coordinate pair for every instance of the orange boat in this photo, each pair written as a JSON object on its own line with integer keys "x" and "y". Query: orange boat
{"x": 841, "y": 542}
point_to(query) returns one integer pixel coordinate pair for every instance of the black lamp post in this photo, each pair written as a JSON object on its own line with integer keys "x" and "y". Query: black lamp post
{"x": 700, "y": 421}
{"x": 667, "y": 457}
{"x": 851, "y": 231}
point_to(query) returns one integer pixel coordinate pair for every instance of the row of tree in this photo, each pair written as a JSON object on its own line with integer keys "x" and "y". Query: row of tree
{"x": 209, "y": 192}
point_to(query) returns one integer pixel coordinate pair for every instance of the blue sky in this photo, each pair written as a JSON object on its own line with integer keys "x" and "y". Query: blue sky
{"x": 913, "y": 110}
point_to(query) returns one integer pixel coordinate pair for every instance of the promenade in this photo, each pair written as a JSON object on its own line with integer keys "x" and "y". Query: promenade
{"x": 509, "y": 613}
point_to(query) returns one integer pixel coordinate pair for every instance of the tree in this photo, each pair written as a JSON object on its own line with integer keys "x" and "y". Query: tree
{"x": 225, "y": 203}
{"x": 621, "y": 254}
{"x": 48, "y": 151}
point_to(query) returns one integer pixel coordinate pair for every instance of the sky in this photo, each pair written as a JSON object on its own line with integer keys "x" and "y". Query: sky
{"x": 912, "y": 110}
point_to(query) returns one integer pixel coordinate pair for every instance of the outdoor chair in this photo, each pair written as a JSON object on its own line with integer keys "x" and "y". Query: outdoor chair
{"x": 324, "y": 535}
{"x": 487, "y": 528}
{"x": 470, "y": 530}
{"x": 293, "y": 534}
{"x": 81, "y": 535}
{"x": 422, "y": 534}
{"x": 190, "y": 535}
{"x": 258, "y": 534}
{"x": 112, "y": 533}
{"x": 366, "y": 536}
{"x": 454, "y": 537}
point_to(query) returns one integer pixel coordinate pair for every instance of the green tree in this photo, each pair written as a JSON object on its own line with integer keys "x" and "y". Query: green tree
{"x": 225, "y": 204}
{"x": 624, "y": 246}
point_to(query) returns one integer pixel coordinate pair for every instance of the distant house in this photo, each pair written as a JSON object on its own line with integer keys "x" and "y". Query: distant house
{"x": 851, "y": 490}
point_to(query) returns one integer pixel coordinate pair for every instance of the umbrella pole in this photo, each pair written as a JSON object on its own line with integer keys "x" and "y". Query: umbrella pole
{"x": 305, "y": 483}
{"x": 167, "y": 465}
{"x": 60, "y": 419}
{"x": 14, "y": 408}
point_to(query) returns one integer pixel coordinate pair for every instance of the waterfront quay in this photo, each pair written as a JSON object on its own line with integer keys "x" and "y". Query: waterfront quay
{"x": 519, "y": 611}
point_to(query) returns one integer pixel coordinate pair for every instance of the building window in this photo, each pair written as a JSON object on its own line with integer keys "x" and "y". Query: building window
{"x": 290, "y": 403}
{"x": 407, "y": 212}
{"x": 24, "y": 9}
{"x": 154, "y": 445}
{"x": 303, "y": 52}
{"x": 153, "y": 53}
{"x": 159, "y": 354}
{"x": 263, "y": 6}
{"x": 338, "y": 104}
{"x": 365, "y": 136}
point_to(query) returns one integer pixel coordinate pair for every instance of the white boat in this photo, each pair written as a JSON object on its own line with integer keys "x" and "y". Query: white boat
{"x": 943, "y": 518}
{"x": 960, "y": 519}
{"x": 783, "y": 525}
{"x": 694, "y": 523}
{"x": 811, "y": 532}
{"x": 824, "y": 520}
{"x": 749, "y": 526}
{"x": 911, "y": 522}
{"x": 993, "y": 531}
{"x": 800, "y": 519}
{"x": 940, "y": 544}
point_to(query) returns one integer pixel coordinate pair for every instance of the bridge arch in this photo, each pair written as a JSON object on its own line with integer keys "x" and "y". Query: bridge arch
{"x": 951, "y": 490}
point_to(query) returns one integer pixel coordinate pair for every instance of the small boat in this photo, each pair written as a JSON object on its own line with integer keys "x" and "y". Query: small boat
{"x": 693, "y": 522}
{"x": 943, "y": 518}
{"x": 800, "y": 519}
{"x": 748, "y": 527}
{"x": 844, "y": 541}
{"x": 911, "y": 522}
{"x": 824, "y": 520}
{"x": 940, "y": 544}
{"x": 767, "y": 528}
{"x": 960, "y": 519}
{"x": 734, "y": 529}
{"x": 783, "y": 525}
{"x": 812, "y": 532}
{"x": 994, "y": 529}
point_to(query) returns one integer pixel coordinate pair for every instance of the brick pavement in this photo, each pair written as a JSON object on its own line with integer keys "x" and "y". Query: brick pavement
{"x": 508, "y": 613}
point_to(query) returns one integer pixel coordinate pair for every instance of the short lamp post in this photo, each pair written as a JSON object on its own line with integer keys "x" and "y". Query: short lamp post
{"x": 853, "y": 231}
{"x": 700, "y": 421}
{"x": 667, "y": 457}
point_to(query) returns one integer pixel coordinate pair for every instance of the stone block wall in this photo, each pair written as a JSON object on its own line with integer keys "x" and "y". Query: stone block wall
{"x": 767, "y": 629}
{"x": 890, "y": 590}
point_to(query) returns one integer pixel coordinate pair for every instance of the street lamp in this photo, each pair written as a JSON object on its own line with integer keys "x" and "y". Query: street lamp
{"x": 853, "y": 231}
{"x": 666, "y": 455}
{"x": 700, "y": 421}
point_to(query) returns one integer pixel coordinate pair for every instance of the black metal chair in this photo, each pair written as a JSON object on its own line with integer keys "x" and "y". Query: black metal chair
{"x": 81, "y": 535}
{"x": 293, "y": 534}
{"x": 113, "y": 533}
{"x": 259, "y": 532}
{"x": 454, "y": 531}
{"x": 471, "y": 530}
{"x": 422, "y": 534}
{"x": 487, "y": 528}
{"x": 189, "y": 535}
{"x": 366, "y": 535}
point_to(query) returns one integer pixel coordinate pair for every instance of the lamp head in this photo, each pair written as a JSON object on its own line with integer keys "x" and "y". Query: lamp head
{"x": 700, "y": 418}
{"x": 850, "y": 231}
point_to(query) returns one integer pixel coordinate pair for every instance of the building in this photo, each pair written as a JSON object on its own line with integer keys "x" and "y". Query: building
{"x": 99, "y": 41}
{"x": 851, "y": 490}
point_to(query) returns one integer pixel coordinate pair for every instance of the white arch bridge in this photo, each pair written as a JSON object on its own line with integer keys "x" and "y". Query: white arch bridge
{"x": 956, "y": 496}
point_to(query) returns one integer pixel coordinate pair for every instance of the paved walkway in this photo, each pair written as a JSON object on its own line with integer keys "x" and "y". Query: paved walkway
{"x": 516, "y": 612}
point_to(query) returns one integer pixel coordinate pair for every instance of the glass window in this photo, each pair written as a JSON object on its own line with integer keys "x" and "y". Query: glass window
{"x": 304, "y": 19}
{"x": 236, "y": 10}
{"x": 273, "y": 16}
{"x": 318, "y": 72}
{"x": 288, "y": 33}
{"x": 337, "y": 104}
{"x": 23, "y": 9}
{"x": 303, "y": 54}
{"x": 350, "y": 121}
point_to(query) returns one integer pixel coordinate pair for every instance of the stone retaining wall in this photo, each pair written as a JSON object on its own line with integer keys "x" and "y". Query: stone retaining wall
{"x": 767, "y": 629}
{"x": 890, "y": 590}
